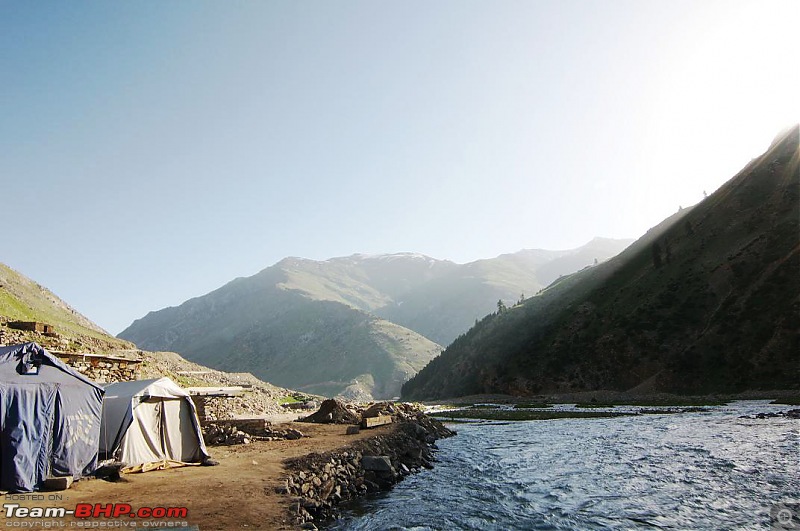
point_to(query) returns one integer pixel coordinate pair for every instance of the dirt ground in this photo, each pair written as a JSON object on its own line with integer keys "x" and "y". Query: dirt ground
{"x": 239, "y": 493}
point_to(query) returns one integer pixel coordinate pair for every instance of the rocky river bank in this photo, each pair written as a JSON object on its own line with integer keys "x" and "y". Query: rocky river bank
{"x": 319, "y": 482}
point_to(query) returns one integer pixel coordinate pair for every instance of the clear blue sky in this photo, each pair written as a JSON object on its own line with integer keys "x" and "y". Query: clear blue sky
{"x": 151, "y": 151}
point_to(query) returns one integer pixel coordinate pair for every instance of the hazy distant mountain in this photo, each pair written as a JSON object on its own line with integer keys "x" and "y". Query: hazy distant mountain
{"x": 449, "y": 299}
{"x": 707, "y": 301}
{"x": 356, "y": 325}
{"x": 22, "y": 299}
{"x": 262, "y": 325}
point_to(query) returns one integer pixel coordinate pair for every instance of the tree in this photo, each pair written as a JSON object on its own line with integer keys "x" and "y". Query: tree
{"x": 501, "y": 307}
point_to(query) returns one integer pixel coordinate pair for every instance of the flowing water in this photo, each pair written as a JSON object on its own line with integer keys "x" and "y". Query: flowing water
{"x": 709, "y": 470}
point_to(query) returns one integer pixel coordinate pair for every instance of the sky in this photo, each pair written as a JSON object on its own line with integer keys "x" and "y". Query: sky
{"x": 152, "y": 151}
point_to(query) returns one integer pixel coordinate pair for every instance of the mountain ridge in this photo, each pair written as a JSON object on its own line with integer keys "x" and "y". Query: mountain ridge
{"x": 707, "y": 301}
{"x": 371, "y": 307}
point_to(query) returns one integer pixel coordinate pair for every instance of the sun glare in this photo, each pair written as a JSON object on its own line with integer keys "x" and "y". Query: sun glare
{"x": 730, "y": 86}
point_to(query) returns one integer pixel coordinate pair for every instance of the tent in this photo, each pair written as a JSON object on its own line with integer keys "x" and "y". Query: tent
{"x": 150, "y": 421}
{"x": 49, "y": 419}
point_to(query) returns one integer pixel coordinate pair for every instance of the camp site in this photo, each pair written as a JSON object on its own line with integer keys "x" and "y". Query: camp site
{"x": 147, "y": 449}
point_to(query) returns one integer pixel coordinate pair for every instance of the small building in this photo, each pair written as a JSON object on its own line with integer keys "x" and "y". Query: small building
{"x": 32, "y": 326}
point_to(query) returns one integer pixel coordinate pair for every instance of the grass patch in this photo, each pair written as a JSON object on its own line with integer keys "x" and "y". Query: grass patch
{"x": 512, "y": 414}
{"x": 289, "y": 399}
{"x": 650, "y": 402}
{"x": 793, "y": 401}
{"x": 532, "y": 405}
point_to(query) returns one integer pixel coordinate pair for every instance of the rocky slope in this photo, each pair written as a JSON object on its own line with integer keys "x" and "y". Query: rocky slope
{"x": 707, "y": 301}
{"x": 23, "y": 299}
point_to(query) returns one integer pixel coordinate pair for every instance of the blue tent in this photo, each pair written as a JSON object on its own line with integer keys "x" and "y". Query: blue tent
{"x": 49, "y": 419}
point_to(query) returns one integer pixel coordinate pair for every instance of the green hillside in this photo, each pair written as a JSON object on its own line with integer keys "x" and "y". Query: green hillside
{"x": 22, "y": 299}
{"x": 708, "y": 301}
{"x": 289, "y": 339}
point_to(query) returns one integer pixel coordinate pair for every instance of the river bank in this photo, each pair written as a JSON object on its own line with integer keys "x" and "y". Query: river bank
{"x": 319, "y": 482}
{"x": 248, "y": 489}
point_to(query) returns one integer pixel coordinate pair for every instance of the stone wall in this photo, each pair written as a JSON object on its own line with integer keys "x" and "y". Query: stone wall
{"x": 102, "y": 369}
{"x": 317, "y": 483}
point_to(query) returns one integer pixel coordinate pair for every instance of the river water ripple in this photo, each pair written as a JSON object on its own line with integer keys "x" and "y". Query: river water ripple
{"x": 704, "y": 471}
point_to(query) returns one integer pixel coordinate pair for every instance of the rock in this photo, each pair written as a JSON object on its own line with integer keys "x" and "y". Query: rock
{"x": 333, "y": 411}
{"x": 352, "y": 430}
{"x": 326, "y": 489}
{"x": 293, "y": 434}
{"x": 370, "y": 486}
{"x": 58, "y": 483}
{"x": 283, "y": 488}
{"x": 420, "y": 432}
{"x": 380, "y": 408}
{"x": 379, "y": 463}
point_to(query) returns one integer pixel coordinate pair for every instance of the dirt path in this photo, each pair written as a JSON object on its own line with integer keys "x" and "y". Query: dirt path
{"x": 237, "y": 494}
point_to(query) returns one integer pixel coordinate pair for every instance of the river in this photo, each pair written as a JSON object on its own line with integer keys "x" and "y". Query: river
{"x": 706, "y": 470}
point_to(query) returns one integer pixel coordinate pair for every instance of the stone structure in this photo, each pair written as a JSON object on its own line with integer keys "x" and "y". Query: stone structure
{"x": 32, "y": 326}
{"x": 102, "y": 368}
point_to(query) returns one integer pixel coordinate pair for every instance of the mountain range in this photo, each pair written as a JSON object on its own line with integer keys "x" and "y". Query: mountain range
{"x": 356, "y": 326}
{"x": 706, "y": 302}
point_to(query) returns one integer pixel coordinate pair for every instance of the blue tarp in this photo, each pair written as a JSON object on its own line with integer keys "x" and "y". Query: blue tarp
{"x": 49, "y": 419}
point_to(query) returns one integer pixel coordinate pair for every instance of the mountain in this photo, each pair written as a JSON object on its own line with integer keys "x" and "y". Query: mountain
{"x": 707, "y": 301}
{"x": 22, "y": 299}
{"x": 447, "y": 300}
{"x": 260, "y": 325}
{"x": 358, "y": 325}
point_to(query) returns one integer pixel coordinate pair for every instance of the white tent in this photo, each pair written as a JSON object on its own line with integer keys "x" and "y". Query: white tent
{"x": 150, "y": 421}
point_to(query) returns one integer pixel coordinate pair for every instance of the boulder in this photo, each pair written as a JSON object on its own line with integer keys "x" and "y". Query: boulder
{"x": 333, "y": 411}
{"x": 377, "y": 463}
{"x": 377, "y": 409}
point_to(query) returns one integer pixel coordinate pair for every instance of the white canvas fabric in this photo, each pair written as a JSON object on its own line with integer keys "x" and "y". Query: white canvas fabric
{"x": 150, "y": 421}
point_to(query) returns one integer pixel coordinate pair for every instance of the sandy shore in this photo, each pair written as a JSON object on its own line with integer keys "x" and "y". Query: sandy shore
{"x": 237, "y": 494}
